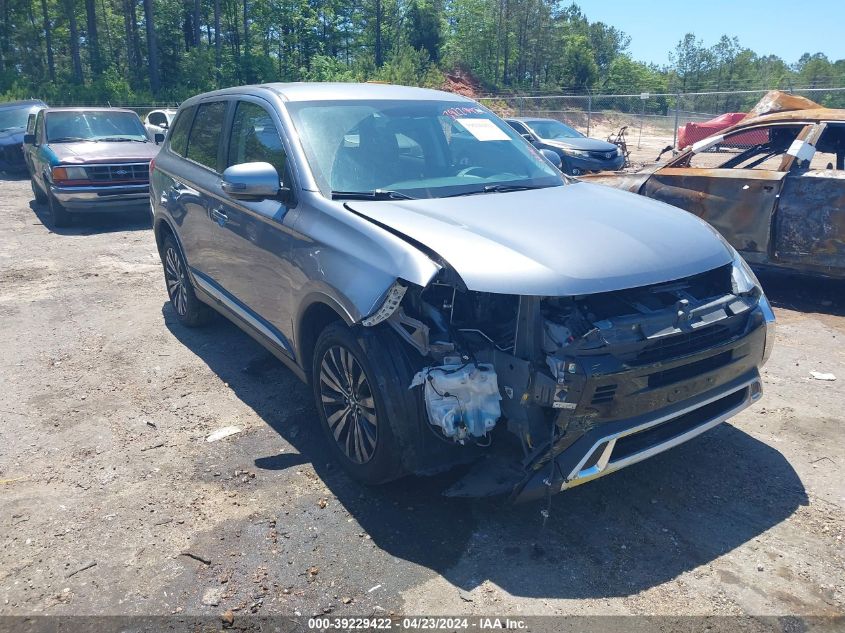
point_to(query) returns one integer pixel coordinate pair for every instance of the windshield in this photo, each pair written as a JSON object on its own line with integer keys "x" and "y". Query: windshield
{"x": 552, "y": 130}
{"x": 15, "y": 117}
{"x": 416, "y": 149}
{"x": 94, "y": 126}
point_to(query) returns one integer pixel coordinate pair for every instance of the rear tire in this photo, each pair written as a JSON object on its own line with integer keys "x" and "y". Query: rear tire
{"x": 357, "y": 403}
{"x": 189, "y": 310}
{"x": 61, "y": 217}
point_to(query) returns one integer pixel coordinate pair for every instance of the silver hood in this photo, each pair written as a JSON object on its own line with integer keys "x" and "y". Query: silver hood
{"x": 571, "y": 240}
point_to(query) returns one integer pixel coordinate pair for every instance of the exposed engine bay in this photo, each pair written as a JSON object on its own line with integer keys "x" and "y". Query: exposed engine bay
{"x": 534, "y": 374}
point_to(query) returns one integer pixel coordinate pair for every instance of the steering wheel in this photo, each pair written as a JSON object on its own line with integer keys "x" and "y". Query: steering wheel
{"x": 468, "y": 171}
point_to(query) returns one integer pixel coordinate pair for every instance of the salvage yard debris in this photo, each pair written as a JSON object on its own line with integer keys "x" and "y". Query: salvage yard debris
{"x": 226, "y": 431}
{"x": 818, "y": 375}
{"x": 202, "y": 559}
{"x": 86, "y": 566}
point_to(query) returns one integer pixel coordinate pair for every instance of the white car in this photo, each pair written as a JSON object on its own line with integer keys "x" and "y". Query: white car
{"x": 158, "y": 121}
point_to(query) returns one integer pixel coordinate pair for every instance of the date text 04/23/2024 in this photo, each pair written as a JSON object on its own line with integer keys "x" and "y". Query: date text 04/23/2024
{"x": 416, "y": 623}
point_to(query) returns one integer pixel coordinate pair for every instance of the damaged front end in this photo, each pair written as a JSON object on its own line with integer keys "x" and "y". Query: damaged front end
{"x": 556, "y": 391}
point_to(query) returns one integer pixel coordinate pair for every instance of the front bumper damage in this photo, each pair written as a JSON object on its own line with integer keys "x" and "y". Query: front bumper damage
{"x": 586, "y": 385}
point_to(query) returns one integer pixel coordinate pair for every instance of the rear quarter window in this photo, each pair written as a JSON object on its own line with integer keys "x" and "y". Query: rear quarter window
{"x": 179, "y": 133}
{"x": 206, "y": 132}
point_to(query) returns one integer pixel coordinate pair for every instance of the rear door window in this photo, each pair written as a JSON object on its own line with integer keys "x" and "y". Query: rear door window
{"x": 157, "y": 118}
{"x": 830, "y": 151}
{"x": 206, "y": 132}
{"x": 179, "y": 133}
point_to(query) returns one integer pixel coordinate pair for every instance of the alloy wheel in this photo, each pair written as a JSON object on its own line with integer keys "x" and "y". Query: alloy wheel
{"x": 174, "y": 275}
{"x": 348, "y": 404}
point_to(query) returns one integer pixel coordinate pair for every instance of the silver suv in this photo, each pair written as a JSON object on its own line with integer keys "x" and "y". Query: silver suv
{"x": 449, "y": 294}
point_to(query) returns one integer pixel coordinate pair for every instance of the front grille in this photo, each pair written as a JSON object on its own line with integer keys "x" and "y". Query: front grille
{"x": 683, "y": 372}
{"x": 683, "y": 344}
{"x": 138, "y": 172}
{"x": 603, "y": 155}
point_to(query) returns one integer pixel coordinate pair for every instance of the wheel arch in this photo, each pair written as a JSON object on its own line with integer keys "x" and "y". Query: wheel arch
{"x": 161, "y": 230}
{"x": 315, "y": 314}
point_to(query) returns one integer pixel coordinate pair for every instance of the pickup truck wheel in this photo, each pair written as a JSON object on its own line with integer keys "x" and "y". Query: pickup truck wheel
{"x": 189, "y": 310}
{"x": 40, "y": 196}
{"x": 352, "y": 406}
{"x": 61, "y": 217}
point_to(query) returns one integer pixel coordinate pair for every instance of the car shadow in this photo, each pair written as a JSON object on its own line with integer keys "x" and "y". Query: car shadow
{"x": 94, "y": 223}
{"x": 801, "y": 293}
{"x": 616, "y": 536}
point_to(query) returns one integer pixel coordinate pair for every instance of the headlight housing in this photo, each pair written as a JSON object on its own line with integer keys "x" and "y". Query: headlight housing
{"x": 580, "y": 153}
{"x": 745, "y": 282}
{"x": 743, "y": 279}
{"x": 69, "y": 173}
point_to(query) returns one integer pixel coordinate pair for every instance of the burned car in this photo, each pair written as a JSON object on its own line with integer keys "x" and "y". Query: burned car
{"x": 451, "y": 296}
{"x": 773, "y": 185}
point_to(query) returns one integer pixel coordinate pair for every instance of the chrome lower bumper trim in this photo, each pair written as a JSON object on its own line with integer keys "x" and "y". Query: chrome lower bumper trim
{"x": 606, "y": 464}
{"x": 101, "y": 197}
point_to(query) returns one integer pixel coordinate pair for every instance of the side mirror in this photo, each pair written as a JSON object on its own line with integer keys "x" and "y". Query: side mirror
{"x": 553, "y": 157}
{"x": 29, "y": 139}
{"x": 164, "y": 125}
{"x": 252, "y": 181}
{"x": 158, "y": 137}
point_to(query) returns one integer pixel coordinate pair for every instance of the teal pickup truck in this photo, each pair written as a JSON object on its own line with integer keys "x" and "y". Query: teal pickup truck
{"x": 84, "y": 160}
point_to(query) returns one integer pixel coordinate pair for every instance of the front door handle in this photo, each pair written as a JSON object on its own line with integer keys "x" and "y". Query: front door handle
{"x": 218, "y": 215}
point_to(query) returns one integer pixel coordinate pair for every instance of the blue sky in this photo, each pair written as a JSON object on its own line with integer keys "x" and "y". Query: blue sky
{"x": 786, "y": 28}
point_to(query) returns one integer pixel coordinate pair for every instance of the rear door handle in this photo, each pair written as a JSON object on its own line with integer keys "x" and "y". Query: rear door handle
{"x": 218, "y": 215}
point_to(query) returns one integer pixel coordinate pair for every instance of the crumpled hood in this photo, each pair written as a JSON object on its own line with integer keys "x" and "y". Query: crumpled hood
{"x": 570, "y": 240}
{"x": 104, "y": 152}
{"x": 582, "y": 143}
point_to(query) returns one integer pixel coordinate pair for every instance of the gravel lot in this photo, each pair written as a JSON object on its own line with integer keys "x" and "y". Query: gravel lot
{"x": 105, "y": 404}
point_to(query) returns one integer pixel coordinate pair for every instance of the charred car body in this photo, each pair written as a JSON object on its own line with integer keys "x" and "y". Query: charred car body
{"x": 772, "y": 184}
{"x": 450, "y": 296}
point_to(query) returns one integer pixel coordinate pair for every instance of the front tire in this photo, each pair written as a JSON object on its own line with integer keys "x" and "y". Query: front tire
{"x": 61, "y": 217}
{"x": 189, "y": 310}
{"x": 40, "y": 196}
{"x": 353, "y": 396}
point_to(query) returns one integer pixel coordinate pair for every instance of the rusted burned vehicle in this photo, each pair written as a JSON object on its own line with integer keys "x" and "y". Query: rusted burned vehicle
{"x": 773, "y": 185}
{"x": 449, "y": 294}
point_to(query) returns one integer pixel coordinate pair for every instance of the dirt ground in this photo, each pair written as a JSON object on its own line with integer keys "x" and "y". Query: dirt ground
{"x": 113, "y": 502}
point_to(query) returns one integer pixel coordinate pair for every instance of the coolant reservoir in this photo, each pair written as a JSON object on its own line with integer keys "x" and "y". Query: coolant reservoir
{"x": 461, "y": 399}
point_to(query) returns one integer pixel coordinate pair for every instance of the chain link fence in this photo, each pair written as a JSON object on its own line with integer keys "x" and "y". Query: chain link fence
{"x": 653, "y": 121}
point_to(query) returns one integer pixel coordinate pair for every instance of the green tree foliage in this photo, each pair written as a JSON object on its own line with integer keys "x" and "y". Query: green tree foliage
{"x": 141, "y": 51}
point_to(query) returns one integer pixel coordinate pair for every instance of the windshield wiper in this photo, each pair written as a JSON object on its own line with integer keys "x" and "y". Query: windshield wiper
{"x": 375, "y": 194}
{"x": 497, "y": 189}
{"x": 121, "y": 139}
{"x": 67, "y": 139}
